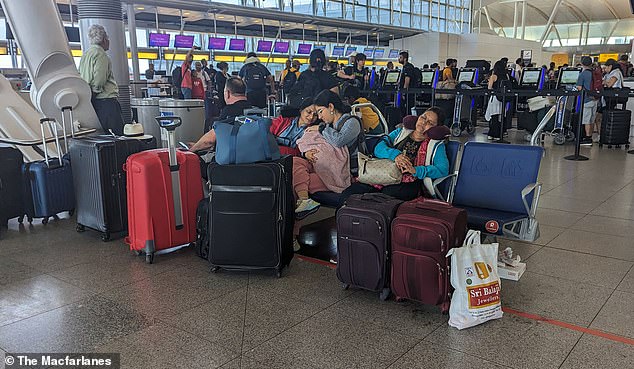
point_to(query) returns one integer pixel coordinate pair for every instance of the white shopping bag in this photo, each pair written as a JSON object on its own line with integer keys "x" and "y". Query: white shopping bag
{"x": 474, "y": 276}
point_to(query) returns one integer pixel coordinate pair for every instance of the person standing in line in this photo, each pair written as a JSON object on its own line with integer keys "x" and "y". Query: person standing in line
{"x": 95, "y": 68}
{"x": 186, "y": 74}
{"x": 584, "y": 83}
{"x": 221, "y": 79}
{"x": 256, "y": 76}
{"x": 149, "y": 73}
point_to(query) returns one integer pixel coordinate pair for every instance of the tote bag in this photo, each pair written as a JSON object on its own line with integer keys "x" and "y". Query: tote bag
{"x": 474, "y": 276}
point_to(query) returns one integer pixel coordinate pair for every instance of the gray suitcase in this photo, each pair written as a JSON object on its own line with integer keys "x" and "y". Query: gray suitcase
{"x": 100, "y": 182}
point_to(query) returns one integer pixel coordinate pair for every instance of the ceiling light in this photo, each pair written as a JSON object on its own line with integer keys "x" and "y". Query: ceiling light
{"x": 287, "y": 24}
{"x": 221, "y": 17}
{"x": 140, "y": 8}
{"x": 257, "y": 21}
{"x": 186, "y": 13}
{"x": 373, "y": 33}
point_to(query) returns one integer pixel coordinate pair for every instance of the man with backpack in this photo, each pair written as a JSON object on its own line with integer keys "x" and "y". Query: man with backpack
{"x": 256, "y": 76}
{"x": 313, "y": 80}
{"x": 590, "y": 79}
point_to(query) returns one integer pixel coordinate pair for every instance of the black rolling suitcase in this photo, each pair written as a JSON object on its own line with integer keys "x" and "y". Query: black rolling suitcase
{"x": 615, "y": 128}
{"x": 363, "y": 242}
{"x": 11, "y": 185}
{"x": 251, "y": 215}
{"x": 100, "y": 181}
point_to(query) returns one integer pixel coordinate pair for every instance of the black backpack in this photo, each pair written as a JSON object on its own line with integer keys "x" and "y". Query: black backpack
{"x": 289, "y": 81}
{"x": 308, "y": 86}
{"x": 417, "y": 78}
{"x": 177, "y": 77}
{"x": 254, "y": 76}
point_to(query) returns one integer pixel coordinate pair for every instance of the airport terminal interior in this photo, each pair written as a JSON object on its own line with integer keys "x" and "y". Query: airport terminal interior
{"x": 317, "y": 184}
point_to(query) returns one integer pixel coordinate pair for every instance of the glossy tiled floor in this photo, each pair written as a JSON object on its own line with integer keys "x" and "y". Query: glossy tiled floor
{"x": 64, "y": 291}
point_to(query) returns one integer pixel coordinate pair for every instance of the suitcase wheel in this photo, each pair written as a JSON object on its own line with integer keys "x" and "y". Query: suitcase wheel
{"x": 45, "y": 220}
{"x": 470, "y": 129}
{"x": 618, "y": 146}
{"x": 399, "y": 299}
{"x": 345, "y": 286}
{"x": 30, "y": 219}
{"x": 137, "y": 252}
{"x": 80, "y": 228}
{"x": 444, "y": 308}
{"x": 214, "y": 269}
{"x": 149, "y": 258}
{"x": 278, "y": 273}
{"x": 105, "y": 237}
{"x": 385, "y": 294}
{"x": 609, "y": 146}
{"x": 21, "y": 219}
{"x": 600, "y": 145}
{"x": 71, "y": 212}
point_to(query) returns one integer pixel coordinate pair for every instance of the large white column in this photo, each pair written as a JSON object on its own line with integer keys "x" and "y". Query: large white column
{"x": 109, "y": 14}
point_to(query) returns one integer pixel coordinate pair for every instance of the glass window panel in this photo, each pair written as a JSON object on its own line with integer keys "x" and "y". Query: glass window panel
{"x": 434, "y": 10}
{"x": 360, "y": 13}
{"x": 234, "y": 2}
{"x": 406, "y": 5}
{"x": 302, "y": 6}
{"x": 384, "y": 17}
{"x": 333, "y": 9}
{"x": 385, "y": 4}
{"x": 406, "y": 20}
{"x": 416, "y": 21}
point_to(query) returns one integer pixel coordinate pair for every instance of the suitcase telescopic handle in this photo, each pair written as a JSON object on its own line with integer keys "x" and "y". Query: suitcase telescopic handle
{"x": 50, "y": 122}
{"x": 169, "y": 123}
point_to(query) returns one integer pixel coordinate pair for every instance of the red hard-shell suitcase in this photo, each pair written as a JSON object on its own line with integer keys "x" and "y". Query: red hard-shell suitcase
{"x": 363, "y": 242}
{"x": 422, "y": 233}
{"x": 164, "y": 188}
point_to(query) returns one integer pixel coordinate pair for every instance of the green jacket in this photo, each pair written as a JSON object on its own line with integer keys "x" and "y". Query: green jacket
{"x": 96, "y": 69}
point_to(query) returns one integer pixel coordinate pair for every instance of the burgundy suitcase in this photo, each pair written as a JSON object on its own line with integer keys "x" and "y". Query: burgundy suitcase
{"x": 422, "y": 233}
{"x": 363, "y": 241}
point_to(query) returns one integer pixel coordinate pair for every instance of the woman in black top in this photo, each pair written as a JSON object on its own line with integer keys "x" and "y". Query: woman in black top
{"x": 494, "y": 108}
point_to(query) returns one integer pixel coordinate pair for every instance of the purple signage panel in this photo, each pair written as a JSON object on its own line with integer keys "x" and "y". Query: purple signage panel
{"x": 183, "y": 42}
{"x": 159, "y": 39}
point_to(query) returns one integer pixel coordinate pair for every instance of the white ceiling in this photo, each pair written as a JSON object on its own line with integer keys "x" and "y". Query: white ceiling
{"x": 571, "y": 11}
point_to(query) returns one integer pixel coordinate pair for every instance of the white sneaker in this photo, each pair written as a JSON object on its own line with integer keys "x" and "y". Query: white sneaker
{"x": 306, "y": 205}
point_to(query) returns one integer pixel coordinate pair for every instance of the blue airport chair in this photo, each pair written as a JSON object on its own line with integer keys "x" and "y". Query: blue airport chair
{"x": 497, "y": 185}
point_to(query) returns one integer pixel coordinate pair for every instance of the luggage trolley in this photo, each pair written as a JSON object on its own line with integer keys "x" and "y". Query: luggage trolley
{"x": 464, "y": 114}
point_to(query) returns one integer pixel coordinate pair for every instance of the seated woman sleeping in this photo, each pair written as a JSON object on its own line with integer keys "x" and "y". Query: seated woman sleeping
{"x": 288, "y": 130}
{"x": 409, "y": 148}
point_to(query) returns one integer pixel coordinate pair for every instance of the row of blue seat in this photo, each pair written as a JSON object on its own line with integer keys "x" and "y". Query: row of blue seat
{"x": 496, "y": 183}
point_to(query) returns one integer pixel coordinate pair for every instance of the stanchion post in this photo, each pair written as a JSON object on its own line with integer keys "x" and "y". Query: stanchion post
{"x": 577, "y": 156}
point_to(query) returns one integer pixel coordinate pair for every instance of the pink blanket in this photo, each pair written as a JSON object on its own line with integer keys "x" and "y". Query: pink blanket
{"x": 333, "y": 163}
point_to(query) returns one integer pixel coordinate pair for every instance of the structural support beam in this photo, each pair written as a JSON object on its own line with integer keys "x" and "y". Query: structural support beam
{"x": 551, "y": 19}
{"x": 523, "y": 19}
{"x": 515, "y": 20}
{"x": 558, "y": 35}
{"x": 607, "y": 38}
{"x": 133, "y": 44}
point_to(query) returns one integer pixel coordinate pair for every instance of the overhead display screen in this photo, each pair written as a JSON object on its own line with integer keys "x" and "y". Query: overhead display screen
{"x": 217, "y": 43}
{"x": 265, "y": 46}
{"x": 350, "y": 50}
{"x": 379, "y": 53}
{"x": 159, "y": 39}
{"x": 182, "y": 41}
{"x": 237, "y": 44}
{"x": 338, "y": 51}
{"x": 393, "y": 54}
{"x": 368, "y": 51}
{"x": 281, "y": 47}
{"x": 304, "y": 49}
